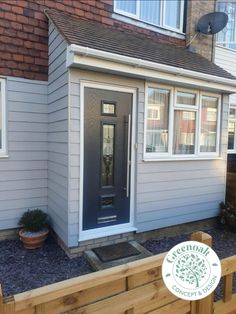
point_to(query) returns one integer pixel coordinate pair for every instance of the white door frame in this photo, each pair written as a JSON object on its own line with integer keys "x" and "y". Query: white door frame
{"x": 119, "y": 228}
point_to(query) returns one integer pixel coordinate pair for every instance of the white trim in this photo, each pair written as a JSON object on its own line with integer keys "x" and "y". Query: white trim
{"x": 90, "y": 58}
{"x": 158, "y": 156}
{"x": 3, "y": 149}
{"x": 156, "y": 27}
{"x": 121, "y": 228}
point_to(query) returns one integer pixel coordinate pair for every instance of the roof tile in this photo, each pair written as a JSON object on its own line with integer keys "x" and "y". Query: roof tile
{"x": 97, "y": 36}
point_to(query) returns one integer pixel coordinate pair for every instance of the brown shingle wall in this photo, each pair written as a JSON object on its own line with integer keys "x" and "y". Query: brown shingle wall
{"x": 24, "y": 29}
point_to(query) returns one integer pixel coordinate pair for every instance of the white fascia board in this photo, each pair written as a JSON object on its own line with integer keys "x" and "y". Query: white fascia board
{"x": 92, "y": 58}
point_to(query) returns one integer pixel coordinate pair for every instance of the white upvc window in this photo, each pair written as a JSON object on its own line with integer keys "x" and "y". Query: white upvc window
{"x": 227, "y": 37}
{"x": 232, "y": 129}
{"x": 3, "y": 148}
{"x": 188, "y": 124}
{"x": 168, "y": 14}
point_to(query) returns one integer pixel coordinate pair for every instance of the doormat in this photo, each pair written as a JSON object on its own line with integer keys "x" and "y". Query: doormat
{"x": 115, "y": 254}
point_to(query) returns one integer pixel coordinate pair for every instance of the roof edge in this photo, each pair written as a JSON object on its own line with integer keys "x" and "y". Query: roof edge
{"x": 140, "y": 63}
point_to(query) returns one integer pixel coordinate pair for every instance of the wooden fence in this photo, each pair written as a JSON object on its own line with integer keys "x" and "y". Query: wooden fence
{"x": 131, "y": 288}
{"x": 231, "y": 187}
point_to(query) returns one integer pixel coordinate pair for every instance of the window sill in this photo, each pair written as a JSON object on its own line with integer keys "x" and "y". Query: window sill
{"x": 226, "y": 48}
{"x": 183, "y": 158}
{"x": 154, "y": 28}
{"x": 4, "y": 156}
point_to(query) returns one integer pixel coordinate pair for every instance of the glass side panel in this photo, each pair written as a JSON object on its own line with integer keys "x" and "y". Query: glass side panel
{"x": 157, "y": 120}
{"x": 128, "y": 6}
{"x": 209, "y": 124}
{"x": 231, "y": 134}
{"x": 150, "y": 11}
{"x": 184, "y": 132}
{"x": 108, "y": 131}
{"x": 172, "y": 13}
{"x": 186, "y": 99}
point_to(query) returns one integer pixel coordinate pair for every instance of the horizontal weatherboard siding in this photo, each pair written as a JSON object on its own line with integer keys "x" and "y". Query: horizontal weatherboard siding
{"x": 58, "y": 134}
{"x": 23, "y": 180}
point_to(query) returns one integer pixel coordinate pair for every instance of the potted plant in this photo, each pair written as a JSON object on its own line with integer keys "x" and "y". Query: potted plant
{"x": 35, "y": 228}
{"x": 228, "y": 215}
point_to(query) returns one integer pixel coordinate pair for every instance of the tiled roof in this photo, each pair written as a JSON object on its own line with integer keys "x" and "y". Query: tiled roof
{"x": 97, "y": 36}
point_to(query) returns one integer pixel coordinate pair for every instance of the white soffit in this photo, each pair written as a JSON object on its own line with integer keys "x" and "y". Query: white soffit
{"x": 89, "y": 58}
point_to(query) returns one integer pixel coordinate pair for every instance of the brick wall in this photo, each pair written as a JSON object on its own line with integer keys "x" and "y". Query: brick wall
{"x": 24, "y": 27}
{"x": 203, "y": 44}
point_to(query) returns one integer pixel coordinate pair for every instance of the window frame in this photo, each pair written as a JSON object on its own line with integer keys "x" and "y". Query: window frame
{"x": 232, "y": 151}
{"x": 162, "y": 24}
{"x": 169, "y": 155}
{"x": 225, "y": 44}
{"x": 3, "y": 149}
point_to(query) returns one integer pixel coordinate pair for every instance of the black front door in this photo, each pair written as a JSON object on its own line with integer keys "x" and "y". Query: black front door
{"x": 107, "y": 138}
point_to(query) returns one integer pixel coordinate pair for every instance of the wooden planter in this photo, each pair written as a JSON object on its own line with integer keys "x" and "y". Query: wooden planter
{"x": 33, "y": 242}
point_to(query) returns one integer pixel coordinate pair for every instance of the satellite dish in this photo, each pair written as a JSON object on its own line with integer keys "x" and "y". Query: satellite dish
{"x": 212, "y": 23}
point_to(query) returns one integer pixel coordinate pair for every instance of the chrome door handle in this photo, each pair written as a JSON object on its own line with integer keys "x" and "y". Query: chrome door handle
{"x": 128, "y": 157}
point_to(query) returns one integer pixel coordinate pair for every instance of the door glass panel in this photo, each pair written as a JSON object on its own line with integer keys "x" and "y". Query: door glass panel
{"x": 108, "y": 154}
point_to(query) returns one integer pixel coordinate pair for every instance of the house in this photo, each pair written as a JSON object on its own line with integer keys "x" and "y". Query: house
{"x": 108, "y": 122}
{"x": 225, "y": 55}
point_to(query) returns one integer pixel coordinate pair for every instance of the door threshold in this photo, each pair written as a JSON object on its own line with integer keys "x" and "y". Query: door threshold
{"x": 105, "y": 232}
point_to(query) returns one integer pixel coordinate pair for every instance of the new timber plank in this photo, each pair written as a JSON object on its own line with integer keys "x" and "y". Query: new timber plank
{"x": 86, "y": 296}
{"x": 48, "y": 293}
{"x": 135, "y": 298}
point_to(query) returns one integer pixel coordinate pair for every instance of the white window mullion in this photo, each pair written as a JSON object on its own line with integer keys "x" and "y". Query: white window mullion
{"x": 162, "y": 12}
{"x": 171, "y": 122}
{"x": 138, "y": 9}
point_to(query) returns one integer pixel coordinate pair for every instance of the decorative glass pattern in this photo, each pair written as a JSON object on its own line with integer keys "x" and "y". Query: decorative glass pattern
{"x": 108, "y": 131}
{"x": 108, "y": 109}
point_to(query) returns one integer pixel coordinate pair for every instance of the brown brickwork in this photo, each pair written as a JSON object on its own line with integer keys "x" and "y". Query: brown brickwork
{"x": 203, "y": 44}
{"x": 24, "y": 31}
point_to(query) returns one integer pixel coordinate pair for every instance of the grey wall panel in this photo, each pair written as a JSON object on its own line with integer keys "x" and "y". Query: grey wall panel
{"x": 58, "y": 134}
{"x": 23, "y": 179}
{"x": 167, "y": 192}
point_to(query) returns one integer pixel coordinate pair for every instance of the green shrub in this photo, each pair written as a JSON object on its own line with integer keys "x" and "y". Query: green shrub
{"x": 34, "y": 220}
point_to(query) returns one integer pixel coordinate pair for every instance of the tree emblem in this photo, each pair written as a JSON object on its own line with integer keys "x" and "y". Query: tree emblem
{"x": 191, "y": 268}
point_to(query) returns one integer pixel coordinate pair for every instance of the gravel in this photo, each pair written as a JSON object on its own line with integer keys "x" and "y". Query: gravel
{"x": 224, "y": 244}
{"x": 22, "y": 270}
